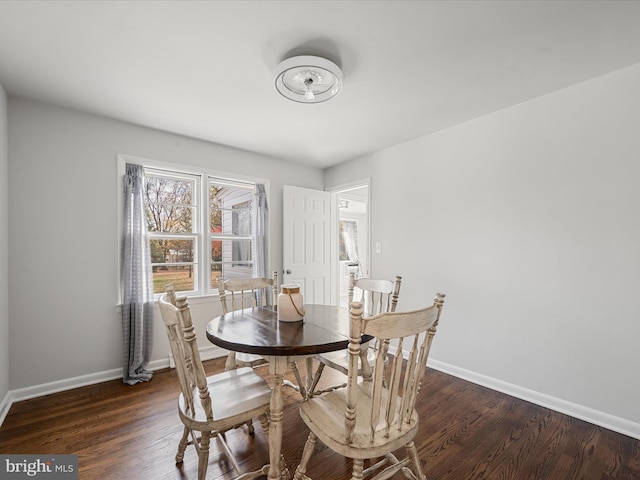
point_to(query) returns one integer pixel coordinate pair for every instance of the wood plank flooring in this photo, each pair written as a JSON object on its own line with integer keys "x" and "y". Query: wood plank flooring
{"x": 467, "y": 432}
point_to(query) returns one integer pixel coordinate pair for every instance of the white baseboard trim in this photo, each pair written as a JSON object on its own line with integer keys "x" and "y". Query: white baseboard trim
{"x": 61, "y": 385}
{"x": 26, "y": 393}
{"x": 596, "y": 417}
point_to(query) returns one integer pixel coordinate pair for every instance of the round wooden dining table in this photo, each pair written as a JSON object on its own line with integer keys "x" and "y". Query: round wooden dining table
{"x": 324, "y": 328}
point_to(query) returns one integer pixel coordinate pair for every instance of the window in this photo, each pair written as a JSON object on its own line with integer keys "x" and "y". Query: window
{"x": 348, "y": 246}
{"x": 200, "y": 228}
{"x": 231, "y": 213}
{"x": 241, "y": 227}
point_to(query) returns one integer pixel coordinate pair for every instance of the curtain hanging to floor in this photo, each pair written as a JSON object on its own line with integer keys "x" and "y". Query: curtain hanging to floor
{"x": 261, "y": 226}
{"x": 136, "y": 281}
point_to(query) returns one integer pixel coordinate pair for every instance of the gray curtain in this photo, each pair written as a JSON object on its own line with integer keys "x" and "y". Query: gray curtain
{"x": 261, "y": 225}
{"x": 136, "y": 282}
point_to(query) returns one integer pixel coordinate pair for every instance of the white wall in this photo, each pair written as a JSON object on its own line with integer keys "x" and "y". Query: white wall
{"x": 62, "y": 238}
{"x": 528, "y": 220}
{"x": 4, "y": 259}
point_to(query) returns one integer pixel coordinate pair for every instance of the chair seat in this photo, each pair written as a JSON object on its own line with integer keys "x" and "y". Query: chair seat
{"x": 238, "y": 393}
{"x": 325, "y": 416}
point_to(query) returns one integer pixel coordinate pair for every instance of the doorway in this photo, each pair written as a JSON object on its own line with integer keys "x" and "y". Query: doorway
{"x": 353, "y": 252}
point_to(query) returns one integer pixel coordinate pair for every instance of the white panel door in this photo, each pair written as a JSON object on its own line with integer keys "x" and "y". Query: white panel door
{"x": 306, "y": 242}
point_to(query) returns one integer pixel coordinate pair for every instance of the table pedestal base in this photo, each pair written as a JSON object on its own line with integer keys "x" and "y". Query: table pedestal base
{"x": 277, "y": 467}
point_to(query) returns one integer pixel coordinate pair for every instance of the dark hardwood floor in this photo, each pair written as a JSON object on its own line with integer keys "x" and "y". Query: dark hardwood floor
{"x": 466, "y": 432}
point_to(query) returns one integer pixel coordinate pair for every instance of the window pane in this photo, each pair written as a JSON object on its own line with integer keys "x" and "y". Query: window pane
{"x": 231, "y": 252}
{"x": 168, "y": 190}
{"x": 215, "y": 212}
{"x": 230, "y": 209}
{"x": 348, "y": 247}
{"x": 216, "y": 272}
{"x": 169, "y": 204}
{"x": 230, "y": 259}
{"x": 171, "y": 251}
{"x": 182, "y": 276}
{"x": 169, "y": 218}
{"x": 217, "y": 269}
{"x": 241, "y": 218}
{"x": 241, "y": 252}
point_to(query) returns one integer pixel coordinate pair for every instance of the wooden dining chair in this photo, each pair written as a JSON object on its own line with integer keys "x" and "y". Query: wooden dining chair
{"x": 204, "y": 406}
{"x": 240, "y": 293}
{"x": 368, "y": 420}
{"x": 376, "y": 296}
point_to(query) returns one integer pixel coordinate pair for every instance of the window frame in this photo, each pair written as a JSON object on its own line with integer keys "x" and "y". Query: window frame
{"x": 202, "y": 249}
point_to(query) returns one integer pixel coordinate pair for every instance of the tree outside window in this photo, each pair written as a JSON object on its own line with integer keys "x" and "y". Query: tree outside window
{"x": 171, "y": 220}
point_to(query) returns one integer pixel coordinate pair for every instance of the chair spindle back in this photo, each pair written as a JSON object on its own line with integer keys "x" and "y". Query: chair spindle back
{"x": 394, "y": 388}
{"x": 376, "y": 296}
{"x": 182, "y": 339}
{"x": 240, "y": 293}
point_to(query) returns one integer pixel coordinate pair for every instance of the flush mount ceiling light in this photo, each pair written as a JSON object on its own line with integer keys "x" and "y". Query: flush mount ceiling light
{"x": 308, "y": 79}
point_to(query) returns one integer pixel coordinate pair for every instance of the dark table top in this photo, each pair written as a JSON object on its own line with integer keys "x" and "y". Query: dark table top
{"x": 325, "y": 328}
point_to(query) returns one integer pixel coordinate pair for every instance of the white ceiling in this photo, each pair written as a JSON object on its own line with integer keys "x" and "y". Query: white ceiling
{"x": 205, "y": 69}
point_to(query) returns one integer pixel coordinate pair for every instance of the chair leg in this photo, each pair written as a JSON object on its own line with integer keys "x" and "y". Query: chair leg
{"x": 250, "y": 428}
{"x": 309, "y": 447}
{"x": 223, "y": 442}
{"x": 413, "y": 455}
{"x": 230, "y": 364}
{"x": 358, "y": 467}
{"x": 367, "y": 371}
{"x": 316, "y": 378}
{"x": 203, "y": 454}
{"x": 290, "y": 384}
{"x": 284, "y": 471}
{"x": 296, "y": 373}
{"x": 312, "y": 389}
{"x": 184, "y": 441}
{"x": 264, "y": 421}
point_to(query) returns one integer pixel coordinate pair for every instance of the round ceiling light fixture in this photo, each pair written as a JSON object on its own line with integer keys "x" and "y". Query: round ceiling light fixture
{"x": 308, "y": 79}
